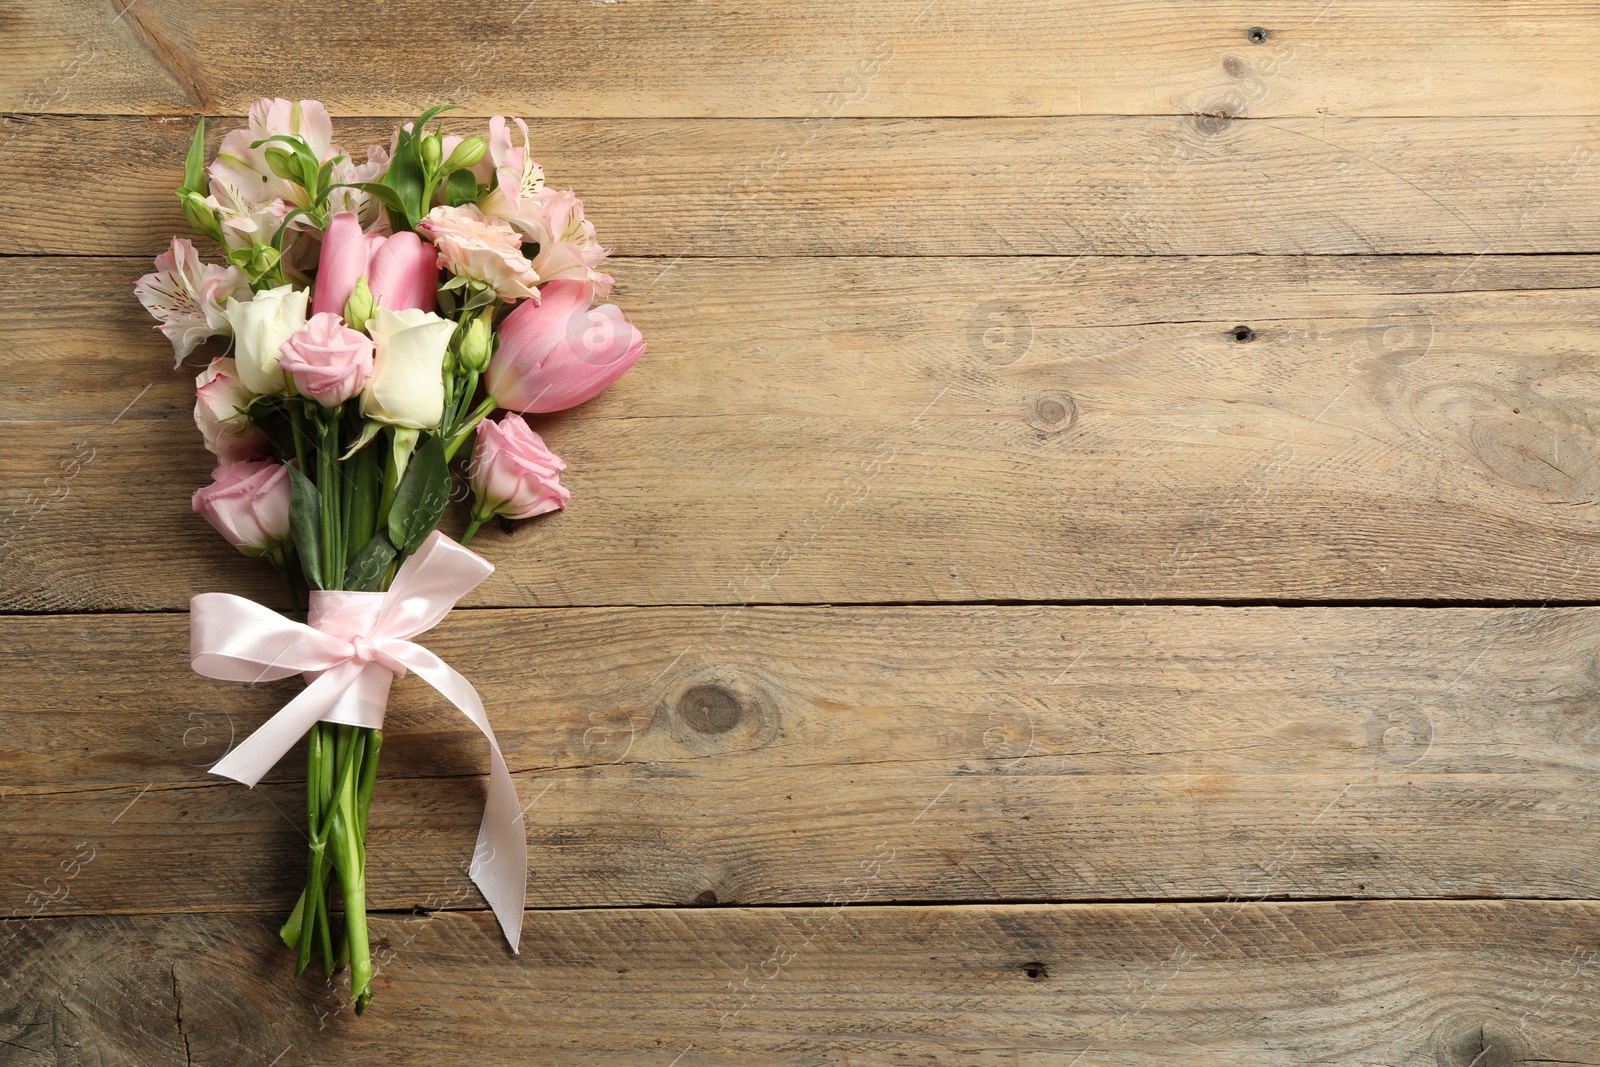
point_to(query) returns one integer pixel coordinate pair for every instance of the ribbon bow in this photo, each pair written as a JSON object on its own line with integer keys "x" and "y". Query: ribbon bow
{"x": 353, "y": 647}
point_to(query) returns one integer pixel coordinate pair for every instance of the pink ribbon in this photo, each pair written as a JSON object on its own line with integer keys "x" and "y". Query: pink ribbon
{"x": 355, "y": 645}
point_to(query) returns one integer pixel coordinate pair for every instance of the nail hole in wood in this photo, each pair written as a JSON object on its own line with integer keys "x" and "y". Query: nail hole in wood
{"x": 1256, "y": 34}
{"x": 1036, "y": 972}
{"x": 1243, "y": 334}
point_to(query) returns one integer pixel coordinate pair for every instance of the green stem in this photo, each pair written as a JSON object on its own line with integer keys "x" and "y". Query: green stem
{"x": 466, "y": 428}
{"x": 332, "y": 504}
{"x": 297, "y": 424}
{"x": 472, "y": 526}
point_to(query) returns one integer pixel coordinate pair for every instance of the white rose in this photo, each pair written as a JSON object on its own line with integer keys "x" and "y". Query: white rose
{"x": 260, "y": 326}
{"x": 407, "y": 386}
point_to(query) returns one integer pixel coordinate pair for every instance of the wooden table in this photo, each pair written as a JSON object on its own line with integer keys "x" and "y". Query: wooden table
{"x": 1094, "y": 568}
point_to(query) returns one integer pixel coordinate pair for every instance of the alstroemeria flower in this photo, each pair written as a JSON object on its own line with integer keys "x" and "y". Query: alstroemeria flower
{"x": 244, "y": 169}
{"x": 517, "y": 177}
{"x": 186, "y": 296}
{"x": 568, "y": 247}
{"x": 220, "y": 402}
{"x": 484, "y": 249}
{"x": 368, "y": 208}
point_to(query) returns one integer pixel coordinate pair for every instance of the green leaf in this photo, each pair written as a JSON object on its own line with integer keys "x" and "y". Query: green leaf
{"x": 194, "y": 168}
{"x": 370, "y": 565}
{"x": 460, "y": 188}
{"x": 305, "y": 523}
{"x": 420, "y": 499}
{"x": 404, "y": 176}
{"x": 387, "y": 196}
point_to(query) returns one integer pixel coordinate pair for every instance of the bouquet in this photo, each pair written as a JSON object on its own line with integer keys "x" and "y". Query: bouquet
{"x": 380, "y": 313}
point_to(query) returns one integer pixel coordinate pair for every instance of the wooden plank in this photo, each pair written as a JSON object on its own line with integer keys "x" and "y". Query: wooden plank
{"x": 675, "y": 755}
{"x": 772, "y": 59}
{"x": 848, "y": 430}
{"x": 1439, "y": 982}
{"x": 1164, "y": 185}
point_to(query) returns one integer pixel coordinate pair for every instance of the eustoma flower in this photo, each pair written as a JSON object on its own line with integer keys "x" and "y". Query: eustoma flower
{"x": 328, "y": 361}
{"x": 221, "y": 410}
{"x": 248, "y": 503}
{"x": 481, "y": 249}
{"x": 186, "y": 296}
{"x": 513, "y": 474}
{"x": 561, "y": 352}
{"x": 407, "y": 386}
{"x": 260, "y": 327}
{"x": 401, "y": 270}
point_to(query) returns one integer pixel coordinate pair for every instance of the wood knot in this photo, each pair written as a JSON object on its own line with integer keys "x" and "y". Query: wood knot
{"x": 718, "y": 711}
{"x": 709, "y": 709}
{"x": 1052, "y": 412}
{"x": 1479, "y": 1045}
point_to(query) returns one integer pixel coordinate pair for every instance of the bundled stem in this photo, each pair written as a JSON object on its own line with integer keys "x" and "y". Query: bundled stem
{"x": 341, "y": 761}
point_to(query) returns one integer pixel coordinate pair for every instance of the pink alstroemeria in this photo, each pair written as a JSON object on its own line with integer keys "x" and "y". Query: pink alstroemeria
{"x": 560, "y": 352}
{"x": 402, "y": 269}
{"x": 186, "y": 296}
{"x": 552, "y": 218}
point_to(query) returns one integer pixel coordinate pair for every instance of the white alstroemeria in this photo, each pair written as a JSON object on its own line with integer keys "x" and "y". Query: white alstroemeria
{"x": 186, "y": 296}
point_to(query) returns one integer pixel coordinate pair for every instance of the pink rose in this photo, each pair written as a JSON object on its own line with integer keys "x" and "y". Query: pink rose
{"x": 328, "y": 360}
{"x": 220, "y": 401}
{"x": 248, "y": 503}
{"x": 483, "y": 249}
{"x": 187, "y": 296}
{"x": 402, "y": 270}
{"x": 513, "y": 474}
{"x": 558, "y": 353}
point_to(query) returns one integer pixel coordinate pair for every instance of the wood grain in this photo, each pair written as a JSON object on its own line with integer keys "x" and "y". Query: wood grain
{"x": 668, "y": 756}
{"x": 1230, "y": 983}
{"x": 849, "y": 430}
{"x": 776, "y": 58}
{"x": 1197, "y": 185}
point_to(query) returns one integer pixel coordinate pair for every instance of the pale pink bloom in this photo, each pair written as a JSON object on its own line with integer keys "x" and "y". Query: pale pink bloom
{"x": 558, "y": 353}
{"x": 402, "y": 270}
{"x": 186, "y": 296}
{"x": 368, "y": 208}
{"x": 248, "y": 503}
{"x": 250, "y": 199}
{"x": 328, "y": 360}
{"x": 220, "y": 403}
{"x": 245, "y": 222}
{"x": 486, "y": 250}
{"x": 512, "y": 472}
{"x": 568, "y": 247}
{"x": 517, "y": 177}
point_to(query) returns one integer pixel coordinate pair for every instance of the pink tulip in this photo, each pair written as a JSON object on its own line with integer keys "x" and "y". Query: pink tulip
{"x": 513, "y": 474}
{"x": 560, "y": 352}
{"x": 402, "y": 269}
{"x": 248, "y": 503}
{"x": 329, "y": 362}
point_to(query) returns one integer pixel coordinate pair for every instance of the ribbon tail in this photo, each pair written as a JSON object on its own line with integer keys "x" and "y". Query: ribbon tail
{"x": 258, "y": 753}
{"x": 500, "y": 860}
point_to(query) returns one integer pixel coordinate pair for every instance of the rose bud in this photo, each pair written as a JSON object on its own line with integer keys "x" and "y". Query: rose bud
{"x": 329, "y": 362}
{"x": 560, "y": 352}
{"x": 407, "y": 384}
{"x": 260, "y": 326}
{"x": 513, "y": 474}
{"x": 248, "y": 503}
{"x": 220, "y": 402}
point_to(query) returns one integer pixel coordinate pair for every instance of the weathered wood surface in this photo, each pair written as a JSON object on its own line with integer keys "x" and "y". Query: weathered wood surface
{"x": 1200, "y": 185}
{"x": 792, "y": 58}
{"x": 669, "y": 756}
{"x": 846, "y": 430}
{"x": 1452, "y": 983}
